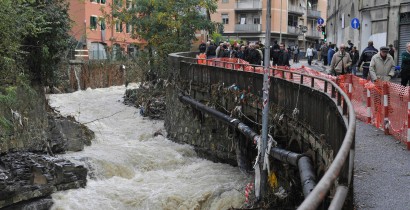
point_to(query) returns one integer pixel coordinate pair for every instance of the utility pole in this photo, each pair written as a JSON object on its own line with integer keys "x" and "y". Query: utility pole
{"x": 280, "y": 30}
{"x": 265, "y": 112}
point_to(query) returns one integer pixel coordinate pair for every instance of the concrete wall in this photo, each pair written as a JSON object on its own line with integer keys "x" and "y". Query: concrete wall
{"x": 216, "y": 141}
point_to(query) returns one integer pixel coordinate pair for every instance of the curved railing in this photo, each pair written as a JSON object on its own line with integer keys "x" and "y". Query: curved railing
{"x": 341, "y": 168}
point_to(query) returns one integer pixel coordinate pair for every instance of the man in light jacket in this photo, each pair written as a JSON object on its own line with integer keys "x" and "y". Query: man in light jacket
{"x": 341, "y": 61}
{"x": 382, "y": 65}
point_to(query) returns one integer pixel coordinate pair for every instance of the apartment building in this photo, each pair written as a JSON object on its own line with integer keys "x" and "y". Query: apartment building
{"x": 382, "y": 21}
{"x": 246, "y": 20}
{"x": 103, "y": 38}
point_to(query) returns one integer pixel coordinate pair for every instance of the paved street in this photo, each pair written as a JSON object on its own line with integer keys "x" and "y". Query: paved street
{"x": 382, "y": 165}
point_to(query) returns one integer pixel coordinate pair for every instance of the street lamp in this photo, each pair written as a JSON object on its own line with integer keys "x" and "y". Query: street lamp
{"x": 265, "y": 110}
{"x": 280, "y": 30}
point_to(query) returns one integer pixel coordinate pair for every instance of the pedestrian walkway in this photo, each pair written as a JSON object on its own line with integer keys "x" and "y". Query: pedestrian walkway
{"x": 382, "y": 164}
{"x": 381, "y": 170}
{"x": 318, "y": 66}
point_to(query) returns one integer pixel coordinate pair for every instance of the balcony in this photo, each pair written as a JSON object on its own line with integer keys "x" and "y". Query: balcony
{"x": 293, "y": 30}
{"x": 247, "y": 28}
{"x": 248, "y": 5}
{"x": 295, "y": 9}
{"x": 313, "y": 13}
{"x": 313, "y": 33}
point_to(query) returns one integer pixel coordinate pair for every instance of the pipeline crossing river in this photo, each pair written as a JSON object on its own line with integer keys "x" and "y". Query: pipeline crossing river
{"x": 129, "y": 168}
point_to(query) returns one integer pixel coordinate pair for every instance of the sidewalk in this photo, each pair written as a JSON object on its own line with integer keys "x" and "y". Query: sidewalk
{"x": 382, "y": 164}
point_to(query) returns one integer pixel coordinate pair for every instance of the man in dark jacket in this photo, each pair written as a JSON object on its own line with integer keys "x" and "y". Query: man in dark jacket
{"x": 283, "y": 58}
{"x": 366, "y": 57}
{"x": 254, "y": 57}
{"x": 274, "y": 53}
{"x": 354, "y": 55}
{"x": 324, "y": 50}
{"x": 211, "y": 51}
{"x": 202, "y": 47}
{"x": 405, "y": 66}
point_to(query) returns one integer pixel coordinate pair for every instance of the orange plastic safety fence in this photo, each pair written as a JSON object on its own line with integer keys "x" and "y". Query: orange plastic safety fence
{"x": 393, "y": 95}
{"x": 355, "y": 87}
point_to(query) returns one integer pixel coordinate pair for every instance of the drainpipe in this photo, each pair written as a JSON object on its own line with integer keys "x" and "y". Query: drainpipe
{"x": 304, "y": 164}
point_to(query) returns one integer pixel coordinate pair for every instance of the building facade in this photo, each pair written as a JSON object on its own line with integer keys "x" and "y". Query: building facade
{"x": 103, "y": 38}
{"x": 246, "y": 20}
{"x": 382, "y": 21}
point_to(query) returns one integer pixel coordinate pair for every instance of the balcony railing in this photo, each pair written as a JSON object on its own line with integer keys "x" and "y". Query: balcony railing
{"x": 313, "y": 33}
{"x": 295, "y": 9}
{"x": 248, "y": 4}
{"x": 248, "y": 28}
{"x": 293, "y": 30}
{"x": 313, "y": 13}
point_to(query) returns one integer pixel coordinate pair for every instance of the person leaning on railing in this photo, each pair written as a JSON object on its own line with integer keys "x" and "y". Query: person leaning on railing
{"x": 405, "y": 66}
{"x": 382, "y": 65}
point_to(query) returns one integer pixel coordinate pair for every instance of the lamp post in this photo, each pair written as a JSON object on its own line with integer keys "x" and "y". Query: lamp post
{"x": 280, "y": 30}
{"x": 265, "y": 111}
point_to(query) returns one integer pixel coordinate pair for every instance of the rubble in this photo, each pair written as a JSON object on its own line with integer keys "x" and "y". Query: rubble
{"x": 149, "y": 98}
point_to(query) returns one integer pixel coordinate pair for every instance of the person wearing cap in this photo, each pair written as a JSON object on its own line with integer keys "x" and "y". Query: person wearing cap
{"x": 382, "y": 65}
{"x": 405, "y": 65}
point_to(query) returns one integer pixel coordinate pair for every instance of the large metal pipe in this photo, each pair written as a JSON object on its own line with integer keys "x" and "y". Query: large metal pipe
{"x": 307, "y": 175}
{"x": 304, "y": 164}
{"x": 244, "y": 129}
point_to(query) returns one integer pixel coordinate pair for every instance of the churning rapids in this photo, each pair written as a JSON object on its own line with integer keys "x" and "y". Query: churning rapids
{"x": 129, "y": 168}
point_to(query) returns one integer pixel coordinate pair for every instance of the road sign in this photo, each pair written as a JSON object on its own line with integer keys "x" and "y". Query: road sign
{"x": 355, "y": 23}
{"x": 320, "y": 21}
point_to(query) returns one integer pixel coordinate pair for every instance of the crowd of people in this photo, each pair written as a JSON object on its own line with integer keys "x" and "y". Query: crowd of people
{"x": 252, "y": 53}
{"x": 374, "y": 64}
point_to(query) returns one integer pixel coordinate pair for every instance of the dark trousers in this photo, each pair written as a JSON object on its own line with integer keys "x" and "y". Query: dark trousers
{"x": 324, "y": 57}
{"x": 405, "y": 78}
{"x": 310, "y": 58}
{"x": 365, "y": 72}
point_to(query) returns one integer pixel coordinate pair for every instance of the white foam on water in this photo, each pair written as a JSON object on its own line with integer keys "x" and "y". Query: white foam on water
{"x": 129, "y": 168}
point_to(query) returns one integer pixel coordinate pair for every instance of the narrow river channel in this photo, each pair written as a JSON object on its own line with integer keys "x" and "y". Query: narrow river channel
{"x": 129, "y": 168}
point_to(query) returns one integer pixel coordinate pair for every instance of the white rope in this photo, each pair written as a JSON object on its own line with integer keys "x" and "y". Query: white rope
{"x": 258, "y": 146}
{"x": 271, "y": 143}
{"x": 296, "y": 110}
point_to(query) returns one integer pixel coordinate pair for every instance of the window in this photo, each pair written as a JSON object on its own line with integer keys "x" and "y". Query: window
{"x": 242, "y": 19}
{"x": 102, "y": 24}
{"x": 256, "y": 20}
{"x": 292, "y": 20}
{"x": 225, "y": 1}
{"x": 128, "y": 28}
{"x": 118, "y": 26}
{"x": 93, "y": 22}
{"x": 102, "y": 1}
{"x": 225, "y": 19}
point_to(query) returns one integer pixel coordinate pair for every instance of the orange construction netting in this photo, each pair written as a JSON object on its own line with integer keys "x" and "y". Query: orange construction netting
{"x": 395, "y": 121}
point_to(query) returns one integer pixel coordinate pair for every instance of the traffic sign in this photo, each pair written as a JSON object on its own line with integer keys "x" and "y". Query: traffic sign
{"x": 355, "y": 23}
{"x": 320, "y": 21}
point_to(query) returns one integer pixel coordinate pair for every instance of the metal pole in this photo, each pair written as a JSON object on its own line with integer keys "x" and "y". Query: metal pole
{"x": 265, "y": 112}
{"x": 280, "y": 31}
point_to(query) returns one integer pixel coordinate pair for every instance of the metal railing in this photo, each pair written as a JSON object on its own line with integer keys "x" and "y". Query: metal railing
{"x": 313, "y": 13}
{"x": 295, "y": 8}
{"x": 247, "y": 27}
{"x": 312, "y": 32}
{"x": 293, "y": 30}
{"x": 340, "y": 129}
{"x": 248, "y": 4}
